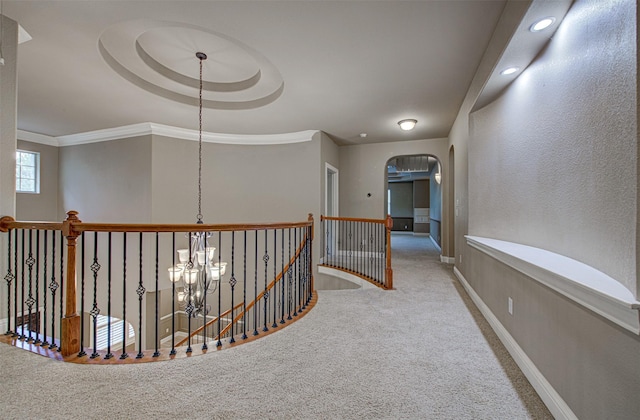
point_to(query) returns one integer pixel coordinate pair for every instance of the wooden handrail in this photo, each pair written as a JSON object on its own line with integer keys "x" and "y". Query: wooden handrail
{"x": 7, "y": 223}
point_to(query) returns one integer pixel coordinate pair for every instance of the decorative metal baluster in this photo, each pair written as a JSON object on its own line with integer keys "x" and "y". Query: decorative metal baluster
{"x": 275, "y": 274}
{"x": 22, "y": 286}
{"x": 244, "y": 298}
{"x": 297, "y": 273}
{"x": 189, "y": 308}
{"x": 157, "y": 340}
{"x": 303, "y": 269}
{"x": 140, "y": 291}
{"x": 206, "y": 291}
{"x": 37, "y": 303}
{"x": 282, "y": 279}
{"x": 15, "y": 287}
{"x": 44, "y": 296}
{"x": 219, "y": 343}
{"x": 109, "y": 355}
{"x": 125, "y": 328}
{"x": 53, "y": 286}
{"x": 255, "y": 285}
{"x": 290, "y": 279}
{"x": 82, "y": 286}
{"x": 232, "y": 283}
{"x": 265, "y": 295}
{"x": 173, "y": 297}
{"x": 61, "y": 287}
{"x": 9, "y": 278}
{"x": 95, "y": 311}
{"x": 30, "y": 300}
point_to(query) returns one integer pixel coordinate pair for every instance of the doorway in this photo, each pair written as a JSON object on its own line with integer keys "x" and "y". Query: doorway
{"x": 414, "y": 195}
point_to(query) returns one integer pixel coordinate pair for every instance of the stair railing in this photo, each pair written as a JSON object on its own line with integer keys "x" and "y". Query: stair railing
{"x": 106, "y": 288}
{"x": 360, "y": 247}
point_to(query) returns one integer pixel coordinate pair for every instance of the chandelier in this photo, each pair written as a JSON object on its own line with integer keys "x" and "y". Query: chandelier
{"x": 197, "y": 273}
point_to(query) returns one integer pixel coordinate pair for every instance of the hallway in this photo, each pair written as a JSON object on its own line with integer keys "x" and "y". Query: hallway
{"x": 421, "y": 351}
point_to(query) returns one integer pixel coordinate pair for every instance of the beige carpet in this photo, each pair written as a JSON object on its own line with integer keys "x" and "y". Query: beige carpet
{"x": 422, "y": 351}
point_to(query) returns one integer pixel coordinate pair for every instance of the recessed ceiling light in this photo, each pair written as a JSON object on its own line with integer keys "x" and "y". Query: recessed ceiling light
{"x": 509, "y": 70}
{"x": 408, "y": 124}
{"x": 363, "y": 135}
{"x": 542, "y": 24}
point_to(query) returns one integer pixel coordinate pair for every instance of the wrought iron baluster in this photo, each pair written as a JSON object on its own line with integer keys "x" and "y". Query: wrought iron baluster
{"x": 95, "y": 311}
{"x": 109, "y": 355}
{"x": 244, "y": 298}
{"x": 140, "y": 291}
{"x": 219, "y": 343}
{"x": 255, "y": 285}
{"x": 9, "y": 278}
{"x": 37, "y": 302}
{"x": 45, "y": 341}
{"x": 53, "y": 286}
{"x": 157, "y": 340}
{"x": 297, "y": 273}
{"x": 232, "y": 283}
{"x": 265, "y": 295}
{"x": 61, "y": 287}
{"x": 15, "y": 287}
{"x": 22, "y": 286}
{"x": 275, "y": 275}
{"x": 289, "y": 279}
{"x": 173, "y": 297}
{"x": 282, "y": 279}
{"x": 125, "y": 328}
{"x": 189, "y": 308}
{"x": 82, "y": 286}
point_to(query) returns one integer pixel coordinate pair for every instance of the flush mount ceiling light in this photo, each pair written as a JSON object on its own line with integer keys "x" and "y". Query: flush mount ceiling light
{"x": 542, "y": 24}
{"x": 408, "y": 124}
{"x": 509, "y": 70}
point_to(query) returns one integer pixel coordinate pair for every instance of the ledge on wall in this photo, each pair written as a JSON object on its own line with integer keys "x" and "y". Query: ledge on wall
{"x": 579, "y": 282}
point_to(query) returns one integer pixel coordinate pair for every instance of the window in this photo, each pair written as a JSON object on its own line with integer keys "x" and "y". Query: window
{"x": 27, "y": 172}
{"x": 104, "y": 323}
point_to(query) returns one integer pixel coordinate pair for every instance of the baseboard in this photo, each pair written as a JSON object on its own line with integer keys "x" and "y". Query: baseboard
{"x": 447, "y": 260}
{"x": 435, "y": 243}
{"x": 547, "y": 393}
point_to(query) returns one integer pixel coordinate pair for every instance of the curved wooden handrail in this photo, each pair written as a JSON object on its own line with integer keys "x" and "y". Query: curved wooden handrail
{"x": 251, "y": 304}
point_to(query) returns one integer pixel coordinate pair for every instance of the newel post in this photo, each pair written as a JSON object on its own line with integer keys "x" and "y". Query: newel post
{"x": 310, "y": 219}
{"x": 70, "y": 339}
{"x": 389, "y": 272}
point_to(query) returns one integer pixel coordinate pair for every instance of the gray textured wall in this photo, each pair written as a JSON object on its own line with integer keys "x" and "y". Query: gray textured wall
{"x": 553, "y": 163}
{"x": 566, "y": 173}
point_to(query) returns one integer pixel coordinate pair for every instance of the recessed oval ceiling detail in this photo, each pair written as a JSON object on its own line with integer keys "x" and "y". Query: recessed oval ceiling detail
{"x": 160, "y": 57}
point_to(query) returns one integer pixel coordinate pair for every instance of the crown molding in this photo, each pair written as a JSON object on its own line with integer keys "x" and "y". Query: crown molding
{"x": 37, "y": 138}
{"x": 145, "y": 129}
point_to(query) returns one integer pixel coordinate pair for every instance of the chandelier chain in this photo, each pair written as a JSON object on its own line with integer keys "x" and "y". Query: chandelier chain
{"x": 199, "y": 216}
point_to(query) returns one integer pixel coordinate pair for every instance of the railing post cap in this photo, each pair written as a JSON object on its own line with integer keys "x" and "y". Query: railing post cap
{"x": 72, "y": 215}
{"x": 4, "y": 221}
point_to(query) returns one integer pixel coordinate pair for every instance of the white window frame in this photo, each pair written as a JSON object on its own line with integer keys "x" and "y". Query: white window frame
{"x": 36, "y": 167}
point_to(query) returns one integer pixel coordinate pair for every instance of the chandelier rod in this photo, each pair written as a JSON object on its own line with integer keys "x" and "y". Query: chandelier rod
{"x": 201, "y": 57}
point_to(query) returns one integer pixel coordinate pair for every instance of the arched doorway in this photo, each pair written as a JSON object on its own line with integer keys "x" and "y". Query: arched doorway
{"x": 413, "y": 197}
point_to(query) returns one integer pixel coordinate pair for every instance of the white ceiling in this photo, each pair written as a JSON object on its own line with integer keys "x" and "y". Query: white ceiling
{"x": 344, "y": 67}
